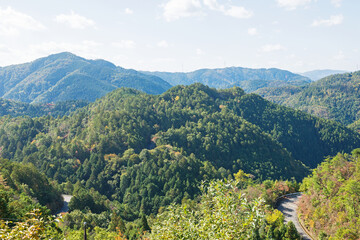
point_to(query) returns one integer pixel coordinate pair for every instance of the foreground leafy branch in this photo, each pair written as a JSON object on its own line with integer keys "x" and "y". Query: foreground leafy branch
{"x": 222, "y": 212}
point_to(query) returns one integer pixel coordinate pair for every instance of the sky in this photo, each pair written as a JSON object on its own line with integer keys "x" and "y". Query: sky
{"x": 185, "y": 35}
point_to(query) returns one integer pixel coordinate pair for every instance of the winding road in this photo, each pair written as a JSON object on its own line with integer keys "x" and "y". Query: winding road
{"x": 288, "y": 205}
{"x": 65, "y": 207}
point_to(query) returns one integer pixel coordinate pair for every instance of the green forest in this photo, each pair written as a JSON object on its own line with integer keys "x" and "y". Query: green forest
{"x": 249, "y": 79}
{"x": 67, "y": 77}
{"x": 330, "y": 207}
{"x": 16, "y": 109}
{"x": 140, "y": 165}
{"x": 334, "y": 97}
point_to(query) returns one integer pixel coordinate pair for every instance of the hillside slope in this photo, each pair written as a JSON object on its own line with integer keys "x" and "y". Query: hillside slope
{"x": 24, "y": 188}
{"x": 336, "y": 97}
{"x": 330, "y": 205}
{"x": 65, "y": 76}
{"x": 147, "y": 151}
{"x": 15, "y": 109}
{"x": 246, "y": 78}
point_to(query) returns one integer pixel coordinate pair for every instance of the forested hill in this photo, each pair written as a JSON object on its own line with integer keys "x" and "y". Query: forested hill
{"x": 15, "y": 109}
{"x": 246, "y": 78}
{"x": 330, "y": 205}
{"x": 335, "y": 97}
{"x": 147, "y": 151}
{"x": 65, "y": 76}
{"x": 23, "y": 188}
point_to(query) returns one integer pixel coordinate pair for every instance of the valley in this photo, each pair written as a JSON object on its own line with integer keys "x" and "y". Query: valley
{"x": 100, "y": 154}
{"x": 179, "y": 119}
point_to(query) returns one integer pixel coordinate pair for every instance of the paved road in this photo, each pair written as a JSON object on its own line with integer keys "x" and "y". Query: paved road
{"x": 288, "y": 206}
{"x": 65, "y": 207}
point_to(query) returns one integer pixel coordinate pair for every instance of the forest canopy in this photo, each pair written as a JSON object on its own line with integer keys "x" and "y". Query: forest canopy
{"x": 148, "y": 151}
{"x": 129, "y": 155}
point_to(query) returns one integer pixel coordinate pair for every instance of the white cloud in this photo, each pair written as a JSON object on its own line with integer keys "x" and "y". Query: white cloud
{"x": 333, "y": 20}
{"x": 129, "y": 11}
{"x": 293, "y": 4}
{"x": 232, "y": 11}
{"x": 12, "y": 22}
{"x": 238, "y": 12}
{"x": 84, "y": 48}
{"x": 252, "y": 31}
{"x": 272, "y": 48}
{"x": 336, "y": 3}
{"x": 214, "y": 5}
{"x": 75, "y": 21}
{"x": 163, "y": 44}
{"x": 126, "y": 44}
{"x": 175, "y": 9}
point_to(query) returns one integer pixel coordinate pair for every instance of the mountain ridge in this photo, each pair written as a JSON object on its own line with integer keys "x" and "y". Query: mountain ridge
{"x": 144, "y": 152}
{"x": 65, "y": 76}
{"x": 247, "y": 78}
{"x": 335, "y": 97}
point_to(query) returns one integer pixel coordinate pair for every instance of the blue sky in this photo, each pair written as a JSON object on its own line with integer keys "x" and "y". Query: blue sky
{"x": 185, "y": 35}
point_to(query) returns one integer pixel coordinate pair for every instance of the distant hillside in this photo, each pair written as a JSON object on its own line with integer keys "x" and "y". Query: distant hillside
{"x": 147, "y": 151}
{"x": 15, "y": 109}
{"x": 330, "y": 205}
{"x": 336, "y": 97}
{"x": 65, "y": 76}
{"x": 246, "y": 78}
{"x": 318, "y": 74}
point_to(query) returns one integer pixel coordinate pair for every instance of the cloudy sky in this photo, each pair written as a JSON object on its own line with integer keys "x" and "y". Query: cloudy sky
{"x": 184, "y": 35}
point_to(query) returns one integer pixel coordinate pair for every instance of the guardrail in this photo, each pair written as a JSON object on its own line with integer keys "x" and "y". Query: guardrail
{"x": 285, "y": 195}
{"x": 304, "y": 228}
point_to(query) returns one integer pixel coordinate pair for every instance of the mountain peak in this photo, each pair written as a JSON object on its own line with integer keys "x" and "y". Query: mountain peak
{"x": 63, "y": 55}
{"x": 66, "y": 76}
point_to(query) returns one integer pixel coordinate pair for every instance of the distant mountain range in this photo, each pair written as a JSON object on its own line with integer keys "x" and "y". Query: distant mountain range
{"x": 335, "y": 97}
{"x": 318, "y": 74}
{"x": 65, "y": 76}
{"x": 246, "y": 78}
